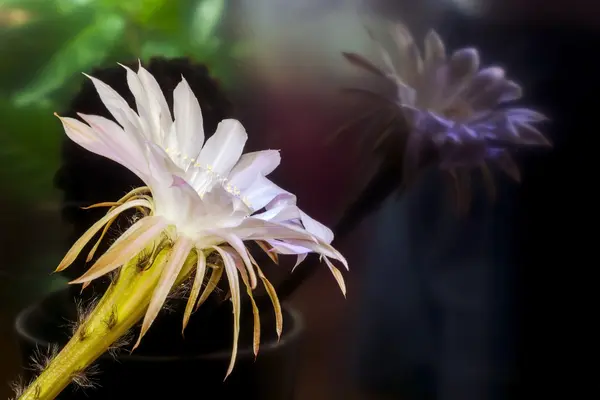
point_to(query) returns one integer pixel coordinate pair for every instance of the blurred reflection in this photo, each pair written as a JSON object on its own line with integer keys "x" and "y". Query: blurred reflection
{"x": 439, "y": 314}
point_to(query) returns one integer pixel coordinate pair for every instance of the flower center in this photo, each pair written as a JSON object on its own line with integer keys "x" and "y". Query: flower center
{"x": 208, "y": 177}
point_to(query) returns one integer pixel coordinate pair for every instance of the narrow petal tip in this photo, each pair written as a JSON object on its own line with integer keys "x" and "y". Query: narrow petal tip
{"x": 137, "y": 343}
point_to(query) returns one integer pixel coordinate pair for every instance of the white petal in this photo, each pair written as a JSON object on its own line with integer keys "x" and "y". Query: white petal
{"x": 234, "y": 288}
{"x": 262, "y": 192}
{"x": 117, "y": 106}
{"x": 174, "y": 198}
{"x": 282, "y": 247}
{"x": 280, "y": 213}
{"x": 156, "y": 100}
{"x": 195, "y": 292}
{"x": 160, "y": 166}
{"x": 124, "y": 144}
{"x": 316, "y": 228}
{"x": 87, "y": 138}
{"x": 252, "y": 165}
{"x": 141, "y": 102}
{"x": 188, "y": 120}
{"x": 238, "y": 245}
{"x": 223, "y": 149}
{"x": 299, "y": 260}
{"x": 258, "y": 229}
{"x": 294, "y": 246}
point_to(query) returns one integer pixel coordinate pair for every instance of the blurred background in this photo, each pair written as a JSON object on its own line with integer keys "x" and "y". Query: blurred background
{"x": 435, "y": 309}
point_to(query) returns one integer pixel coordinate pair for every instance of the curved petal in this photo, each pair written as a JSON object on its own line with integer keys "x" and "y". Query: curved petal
{"x": 85, "y": 136}
{"x": 223, "y": 149}
{"x": 89, "y": 234}
{"x": 262, "y": 192}
{"x": 257, "y": 229}
{"x": 188, "y": 125}
{"x": 316, "y": 228}
{"x": 126, "y": 146}
{"x": 143, "y": 232}
{"x": 179, "y": 253}
{"x": 160, "y": 167}
{"x": 252, "y": 165}
{"x": 197, "y": 285}
{"x": 435, "y": 51}
{"x": 339, "y": 278}
{"x": 159, "y": 108}
{"x": 117, "y": 106}
{"x": 238, "y": 245}
{"x": 234, "y": 288}
{"x": 141, "y": 102}
{"x": 280, "y": 213}
{"x": 294, "y": 246}
{"x": 174, "y": 198}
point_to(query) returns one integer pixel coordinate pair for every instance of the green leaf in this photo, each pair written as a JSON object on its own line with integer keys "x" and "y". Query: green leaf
{"x": 86, "y": 50}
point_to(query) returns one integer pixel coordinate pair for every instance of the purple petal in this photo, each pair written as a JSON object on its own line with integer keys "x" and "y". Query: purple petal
{"x": 462, "y": 65}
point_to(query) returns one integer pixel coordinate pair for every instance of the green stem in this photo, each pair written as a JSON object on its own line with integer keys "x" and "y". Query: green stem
{"x": 121, "y": 307}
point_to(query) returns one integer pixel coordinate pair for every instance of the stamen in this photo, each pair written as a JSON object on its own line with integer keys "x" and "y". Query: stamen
{"x": 212, "y": 175}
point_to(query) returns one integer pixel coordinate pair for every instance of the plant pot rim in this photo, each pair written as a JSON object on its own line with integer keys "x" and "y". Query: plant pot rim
{"x": 287, "y": 338}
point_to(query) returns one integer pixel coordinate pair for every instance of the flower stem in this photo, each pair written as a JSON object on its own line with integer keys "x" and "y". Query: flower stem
{"x": 121, "y": 307}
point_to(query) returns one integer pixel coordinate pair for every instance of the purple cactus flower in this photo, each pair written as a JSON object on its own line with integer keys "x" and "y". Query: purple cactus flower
{"x": 453, "y": 106}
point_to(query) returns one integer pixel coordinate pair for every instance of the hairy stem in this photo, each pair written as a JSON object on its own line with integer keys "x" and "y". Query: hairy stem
{"x": 121, "y": 307}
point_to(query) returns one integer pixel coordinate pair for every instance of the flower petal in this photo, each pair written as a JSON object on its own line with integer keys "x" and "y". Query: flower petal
{"x": 156, "y": 100}
{"x": 126, "y": 146}
{"x": 89, "y": 234}
{"x": 238, "y": 245}
{"x": 275, "y": 300}
{"x": 316, "y": 228}
{"x": 214, "y": 279}
{"x": 484, "y": 80}
{"x": 337, "y": 275}
{"x": 234, "y": 287}
{"x": 411, "y": 61}
{"x": 258, "y": 229}
{"x": 435, "y": 52}
{"x": 293, "y": 246}
{"x": 299, "y": 260}
{"x": 117, "y": 106}
{"x": 188, "y": 120}
{"x": 141, "y": 234}
{"x": 262, "y": 192}
{"x": 280, "y": 213}
{"x": 179, "y": 253}
{"x": 252, "y": 165}
{"x": 223, "y": 149}
{"x": 141, "y": 101}
{"x": 256, "y": 316}
{"x": 267, "y": 249}
{"x": 463, "y": 64}
{"x": 198, "y": 280}
{"x": 87, "y": 138}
